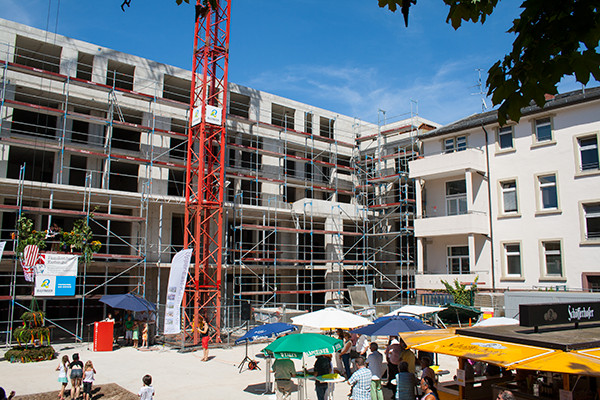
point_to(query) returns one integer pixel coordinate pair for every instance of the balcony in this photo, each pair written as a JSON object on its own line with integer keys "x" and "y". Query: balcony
{"x": 471, "y": 223}
{"x": 443, "y": 165}
{"x": 429, "y": 281}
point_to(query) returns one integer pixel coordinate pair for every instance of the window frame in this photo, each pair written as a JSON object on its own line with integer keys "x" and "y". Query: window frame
{"x": 501, "y": 197}
{"x": 455, "y": 144}
{"x": 585, "y": 240}
{"x": 534, "y": 127}
{"x": 544, "y": 275}
{"x": 456, "y": 197}
{"x": 539, "y": 197}
{"x": 499, "y": 132}
{"x": 506, "y": 275}
{"x": 450, "y": 257}
{"x": 579, "y": 171}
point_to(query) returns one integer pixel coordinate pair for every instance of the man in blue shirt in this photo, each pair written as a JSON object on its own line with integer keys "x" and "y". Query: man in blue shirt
{"x": 361, "y": 381}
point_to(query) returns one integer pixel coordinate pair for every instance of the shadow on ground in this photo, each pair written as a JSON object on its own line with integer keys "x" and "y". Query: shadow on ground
{"x": 109, "y": 391}
{"x": 261, "y": 388}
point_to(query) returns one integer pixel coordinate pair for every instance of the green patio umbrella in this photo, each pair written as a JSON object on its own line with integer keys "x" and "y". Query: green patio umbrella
{"x": 302, "y": 344}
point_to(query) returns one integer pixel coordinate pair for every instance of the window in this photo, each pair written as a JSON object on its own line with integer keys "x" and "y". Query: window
{"x": 282, "y": 116}
{"x": 458, "y": 260}
{"x": 85, "y": 66}
{"x": 239, "y": 104}
{"x": 505, "y": 137}
{"x": 512, "y": 259}
{"x": 326, "y": 127}
{"x": 308, "y": 117}
{"x": 509, "y": 197}
{"x": 456, "y": 197}
{"x": 120, "y": 75}
{"x": 593, "y": 283}
{"x": 177, "y": 89}
{"x": 591, "y": 213}
{"x": 548, "y": 195}
{"x": 458, "y": 143}
{"x": 552, "y": 258}
{"x": 37, "y": 54}
{"x": 543, "y": 130}
{"x": 588, "y": 152}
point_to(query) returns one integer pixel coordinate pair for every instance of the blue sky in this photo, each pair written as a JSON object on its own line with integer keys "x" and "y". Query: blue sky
{"x": 350, "y": 57}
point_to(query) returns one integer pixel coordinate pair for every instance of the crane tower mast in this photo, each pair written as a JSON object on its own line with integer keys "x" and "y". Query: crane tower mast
{"x": 205, "y": 168}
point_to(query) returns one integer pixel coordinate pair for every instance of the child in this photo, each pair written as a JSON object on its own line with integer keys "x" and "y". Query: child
{"x": 76, "y": 367}
{"x": 145, "y": 336}
{"x": 136, "y": 335}
{"x": 88, "y": 379}
{"x": 62, "y": 375}
{"x": 147, "y": 391}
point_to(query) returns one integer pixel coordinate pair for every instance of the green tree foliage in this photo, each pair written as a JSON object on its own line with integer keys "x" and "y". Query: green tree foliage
{"x": 460, "y": 293}
{"x": 554, "y": 38}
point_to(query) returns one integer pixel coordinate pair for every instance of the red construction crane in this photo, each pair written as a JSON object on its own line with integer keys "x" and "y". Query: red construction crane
{"x": 205, "y": 172}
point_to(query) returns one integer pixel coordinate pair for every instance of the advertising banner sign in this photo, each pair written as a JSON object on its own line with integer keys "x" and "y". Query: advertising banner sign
{"x": 175, "y": 291}
{"x": 56, "y": 275}
{"x": 558, "y": 313}
{"x": 214, "y": 115}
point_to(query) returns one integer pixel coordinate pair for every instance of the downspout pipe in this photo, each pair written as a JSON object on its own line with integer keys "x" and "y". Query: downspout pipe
{"x": 490, "y": 217}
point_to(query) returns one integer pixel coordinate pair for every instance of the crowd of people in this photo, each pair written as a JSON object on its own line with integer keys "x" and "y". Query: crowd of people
{"x": 82, "y": 378}
{"x": 131, "y": 326}
{"x": 362, "y": 365}
{"x": 79, "y": 375}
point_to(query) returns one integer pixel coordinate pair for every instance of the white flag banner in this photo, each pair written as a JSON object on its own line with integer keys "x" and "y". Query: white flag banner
{"x": 56, "y": 274}
{"x": 175, "y": 291}
{"x": 2, "y": 244}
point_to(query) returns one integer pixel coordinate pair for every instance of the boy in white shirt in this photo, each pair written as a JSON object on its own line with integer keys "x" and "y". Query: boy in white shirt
{"x": 147, "y": 391}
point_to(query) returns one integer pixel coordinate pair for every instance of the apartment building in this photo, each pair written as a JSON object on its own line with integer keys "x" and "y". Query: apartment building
{"x": 315, "y": 201}
{"x": 517, "y": 206}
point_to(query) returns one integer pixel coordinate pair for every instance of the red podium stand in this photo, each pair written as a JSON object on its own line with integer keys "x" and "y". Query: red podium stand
{"x": 103, "y": 336}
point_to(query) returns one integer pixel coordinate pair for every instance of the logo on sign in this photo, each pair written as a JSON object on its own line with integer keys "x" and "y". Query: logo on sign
{"x": 45, "y": 284}
{"x": 580, "y": 313}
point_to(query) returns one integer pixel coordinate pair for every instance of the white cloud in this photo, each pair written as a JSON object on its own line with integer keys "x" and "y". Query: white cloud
{"x": 444, "y": 94}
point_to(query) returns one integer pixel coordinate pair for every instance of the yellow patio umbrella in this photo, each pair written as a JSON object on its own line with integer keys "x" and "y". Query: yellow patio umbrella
{"x": 565, "y": 362}
{"x": 417, "y": 337}
{"x": 595, "y": 352}
{"x": 496, "y": 352}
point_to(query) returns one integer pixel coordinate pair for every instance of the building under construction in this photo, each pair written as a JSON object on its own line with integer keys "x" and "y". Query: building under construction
{"x": 315, "y": 202}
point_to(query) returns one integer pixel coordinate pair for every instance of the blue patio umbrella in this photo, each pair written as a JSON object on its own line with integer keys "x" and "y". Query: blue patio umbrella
{"x": 391, "y": 326}
{"x": 128, "y": 301}
{"x": 266, "y": 331}
{"x": 386, "y": 317}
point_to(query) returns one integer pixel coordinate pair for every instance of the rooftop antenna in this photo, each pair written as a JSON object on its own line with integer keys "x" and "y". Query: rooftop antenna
{"x": 481, "y": 93}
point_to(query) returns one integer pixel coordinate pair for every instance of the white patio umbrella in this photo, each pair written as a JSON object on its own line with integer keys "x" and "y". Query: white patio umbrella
{"x": 330, "y": 318}
{"x": 497, "y": 321}
{"x": 414, "y": 310}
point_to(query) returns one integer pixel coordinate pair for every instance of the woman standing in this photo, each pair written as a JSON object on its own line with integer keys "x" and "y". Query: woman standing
{"x": 345, "y": 354}
{"x": 203, "y": 329}
{"x": 76, "y": 368}
{"x": 429, "y": 391}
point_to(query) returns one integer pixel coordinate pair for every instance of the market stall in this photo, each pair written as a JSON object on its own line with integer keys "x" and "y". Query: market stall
{"x": 554, "y": 353}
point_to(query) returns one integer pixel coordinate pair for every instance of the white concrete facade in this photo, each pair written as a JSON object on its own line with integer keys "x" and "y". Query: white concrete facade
{"x": 539, "y": 227}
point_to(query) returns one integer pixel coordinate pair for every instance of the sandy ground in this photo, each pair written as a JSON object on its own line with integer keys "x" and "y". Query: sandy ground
{"x": 175, "y": 375}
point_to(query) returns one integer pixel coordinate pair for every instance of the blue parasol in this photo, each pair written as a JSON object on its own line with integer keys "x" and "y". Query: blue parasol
{"x": 392, "y": 326}
{"x": 128, "y": 301}
{"x": 266, "y": 331}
